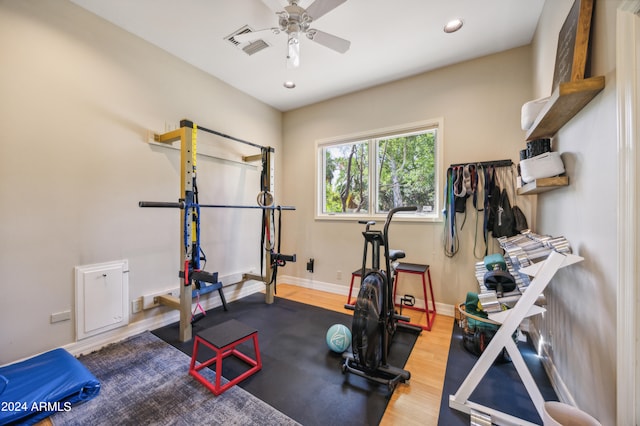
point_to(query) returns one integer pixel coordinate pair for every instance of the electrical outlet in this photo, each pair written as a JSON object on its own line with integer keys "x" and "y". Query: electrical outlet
{"x": 150, "y": 301}
{"x": 60, "y": 316}
{"x": 338, "y": 275}
{"x": 136, "y": 305}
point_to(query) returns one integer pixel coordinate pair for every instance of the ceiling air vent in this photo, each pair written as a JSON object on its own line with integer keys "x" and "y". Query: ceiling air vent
{"x": 249, "y": 48}
{"x": 255, "y": 47}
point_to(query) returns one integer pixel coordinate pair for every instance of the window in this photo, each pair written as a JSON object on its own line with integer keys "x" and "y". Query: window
{"x": 367, "y": 175}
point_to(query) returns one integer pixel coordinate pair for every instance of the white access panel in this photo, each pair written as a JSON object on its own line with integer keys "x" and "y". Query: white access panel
{"x": 102, "y": 294}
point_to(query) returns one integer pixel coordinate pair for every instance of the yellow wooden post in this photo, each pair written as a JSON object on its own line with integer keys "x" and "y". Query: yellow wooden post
{"x": 185, "y": 136}
{"x": 186, "y": 255}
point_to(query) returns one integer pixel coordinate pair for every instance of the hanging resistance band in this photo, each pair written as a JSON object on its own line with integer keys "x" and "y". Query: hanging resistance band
{"x": 276, "y": 261}
{"x": 479, "y": 197}
{"x": 450, "y": 236}
{"x": 266, "y": 245}
{"x": 462, "y": 181}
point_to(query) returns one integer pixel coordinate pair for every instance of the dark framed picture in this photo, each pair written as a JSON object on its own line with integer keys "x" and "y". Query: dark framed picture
{"x": 573, "y": 53}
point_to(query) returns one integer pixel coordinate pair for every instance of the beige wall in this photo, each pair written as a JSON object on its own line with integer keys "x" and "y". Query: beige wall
{"x": 480, "y": 103}
{"x": 580, "y": 325}
{"x": 78, "y": 97}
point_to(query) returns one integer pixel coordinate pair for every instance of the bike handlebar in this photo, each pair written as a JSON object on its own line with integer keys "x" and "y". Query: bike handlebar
{"x": 389, "y": 216}
{"x": 394, "y": 211}
{"x": 402, "y": 209}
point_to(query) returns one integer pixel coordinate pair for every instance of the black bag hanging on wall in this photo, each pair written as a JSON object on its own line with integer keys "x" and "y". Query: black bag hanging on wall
{"x": 519, "y": 220}
{"x": 503, "y": 222}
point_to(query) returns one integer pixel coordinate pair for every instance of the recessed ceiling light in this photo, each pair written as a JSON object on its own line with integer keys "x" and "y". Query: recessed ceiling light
{"x": 453, "y": 25}
{"x": 289, "y": 84}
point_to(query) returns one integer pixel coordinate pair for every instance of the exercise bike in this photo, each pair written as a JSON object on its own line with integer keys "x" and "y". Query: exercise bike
{"x": 374, "y": 319}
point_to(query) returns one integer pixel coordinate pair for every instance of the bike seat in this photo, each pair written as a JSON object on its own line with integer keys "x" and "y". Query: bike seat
{"x": 396, "y": 254}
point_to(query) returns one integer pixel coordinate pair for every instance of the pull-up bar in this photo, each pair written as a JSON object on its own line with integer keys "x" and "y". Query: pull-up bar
{"x": 189, "y": 224}
{"x": 189, "y": 124}
{"x": 182, "y": 205}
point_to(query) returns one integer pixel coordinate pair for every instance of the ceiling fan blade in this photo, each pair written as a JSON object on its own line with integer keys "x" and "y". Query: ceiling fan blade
{"x": 275, "y": 5}
{"x": 255, "y": 35}
{"x": 328, "y": 40}
{"x": 321, "y": 7}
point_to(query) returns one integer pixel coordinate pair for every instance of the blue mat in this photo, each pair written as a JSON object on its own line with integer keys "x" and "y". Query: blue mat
{"x": 33, "y": 389}
{"x": 500, "y": 389}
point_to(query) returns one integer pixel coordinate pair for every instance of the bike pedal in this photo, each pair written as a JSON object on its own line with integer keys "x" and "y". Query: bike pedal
{"x": 408, "y": 300}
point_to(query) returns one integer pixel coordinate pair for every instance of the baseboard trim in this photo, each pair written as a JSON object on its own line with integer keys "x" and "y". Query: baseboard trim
{"x": 164, "y": 317}
{"x": 441, "y": 308}
{"x": 561, "y": 389}
{"x": 233, "y": 292}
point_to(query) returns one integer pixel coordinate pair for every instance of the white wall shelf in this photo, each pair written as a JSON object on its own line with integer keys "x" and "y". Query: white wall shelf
{"x": 543, "y": 185}
{"x": 565, "y": 102}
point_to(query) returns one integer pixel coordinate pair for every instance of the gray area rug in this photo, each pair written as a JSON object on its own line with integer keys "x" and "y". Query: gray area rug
{"x": 145, "y": 381}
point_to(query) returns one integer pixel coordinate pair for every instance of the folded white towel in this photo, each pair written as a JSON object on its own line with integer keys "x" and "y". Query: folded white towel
{"x": 542, "y": 166}
{"x": 530, "y": 112}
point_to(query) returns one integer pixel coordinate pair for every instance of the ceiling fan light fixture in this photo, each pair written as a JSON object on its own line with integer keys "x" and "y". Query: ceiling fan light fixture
{"x": 295, "y": 21}
{"x": 293, "y": 38}
{"x": 289, "y": 84}
{"x": 453, "y": 25}
{"x": 293, "y": 51}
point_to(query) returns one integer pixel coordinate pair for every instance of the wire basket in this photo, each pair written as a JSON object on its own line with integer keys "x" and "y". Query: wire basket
{"x": 463, "y": 316}
{"x": 477, "y": 332}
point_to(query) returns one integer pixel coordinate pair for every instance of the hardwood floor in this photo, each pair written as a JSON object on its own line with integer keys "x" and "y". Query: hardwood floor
{"x": 418, "y": 402}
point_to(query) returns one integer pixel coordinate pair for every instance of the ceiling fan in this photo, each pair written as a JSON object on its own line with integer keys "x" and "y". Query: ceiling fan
{"x": 295, "y": 21}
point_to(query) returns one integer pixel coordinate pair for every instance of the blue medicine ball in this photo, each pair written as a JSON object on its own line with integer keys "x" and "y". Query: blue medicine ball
{"x": 338, "y": 338}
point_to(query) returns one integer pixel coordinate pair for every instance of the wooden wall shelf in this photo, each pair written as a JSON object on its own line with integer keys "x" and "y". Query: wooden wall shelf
{"x": 543, "y": 185}
{"x": 565, "y": 102}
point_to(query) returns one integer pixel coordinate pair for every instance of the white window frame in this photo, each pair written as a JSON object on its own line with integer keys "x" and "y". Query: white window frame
{"x": 433, "y": 216}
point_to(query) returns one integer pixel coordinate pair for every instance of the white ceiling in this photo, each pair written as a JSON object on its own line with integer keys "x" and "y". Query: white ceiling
{"x": 390, "y": 39}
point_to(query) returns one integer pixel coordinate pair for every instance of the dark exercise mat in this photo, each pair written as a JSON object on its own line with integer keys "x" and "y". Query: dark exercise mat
{"x": 501, "y": 388}
{"x": 300, "y": 376}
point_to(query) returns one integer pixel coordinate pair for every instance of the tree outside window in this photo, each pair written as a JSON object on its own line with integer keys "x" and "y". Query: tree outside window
{"x": 346, "y": 178}
{"x": 378, "y": 173}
